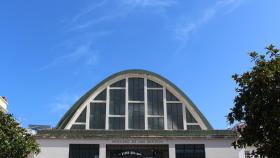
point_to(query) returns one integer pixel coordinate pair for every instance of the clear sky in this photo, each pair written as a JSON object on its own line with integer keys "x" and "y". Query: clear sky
{"x": 53, "y": 51}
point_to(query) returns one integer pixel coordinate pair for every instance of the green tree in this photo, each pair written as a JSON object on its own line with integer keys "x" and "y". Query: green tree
{"x": 15, "y": 141}
{"x": 257, "y": 105}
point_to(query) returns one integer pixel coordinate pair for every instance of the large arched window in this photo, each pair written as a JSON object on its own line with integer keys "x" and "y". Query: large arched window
{"x": 134, "y": 100}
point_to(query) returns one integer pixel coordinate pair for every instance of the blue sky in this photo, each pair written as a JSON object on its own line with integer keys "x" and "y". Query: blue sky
{"x": 52, "y": 51}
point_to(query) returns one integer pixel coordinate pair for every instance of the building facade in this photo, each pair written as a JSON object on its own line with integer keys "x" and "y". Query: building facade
{"x": 3, "y": 104}
{"x": 135, "y": 114}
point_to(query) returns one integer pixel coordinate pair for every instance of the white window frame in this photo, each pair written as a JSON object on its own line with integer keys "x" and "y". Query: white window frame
{"x": 165, "y": 87}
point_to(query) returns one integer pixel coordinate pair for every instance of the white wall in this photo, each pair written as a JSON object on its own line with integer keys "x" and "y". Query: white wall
{"x": 3, "y": 104}
{"x": 59, "y": 148}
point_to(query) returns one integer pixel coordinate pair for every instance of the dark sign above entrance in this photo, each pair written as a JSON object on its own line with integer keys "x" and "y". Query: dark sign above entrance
{"x": 137, "y": 141}
{"x": 137, "y": 151}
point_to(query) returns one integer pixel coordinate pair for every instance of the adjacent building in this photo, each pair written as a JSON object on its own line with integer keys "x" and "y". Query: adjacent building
{"x": 3, "y": 104}
{"x": 33, "y": 129}
{"x": 135, "y": 114}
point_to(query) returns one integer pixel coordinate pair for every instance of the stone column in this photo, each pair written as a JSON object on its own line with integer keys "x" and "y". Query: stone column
{"x": 172, "y": 152}
{"x": 102, "y": 151}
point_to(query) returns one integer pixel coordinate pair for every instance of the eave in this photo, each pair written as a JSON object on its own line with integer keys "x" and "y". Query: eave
{"x": 122, "y": 134}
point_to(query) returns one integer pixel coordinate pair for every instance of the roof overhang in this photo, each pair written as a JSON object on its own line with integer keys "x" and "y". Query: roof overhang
{"x": 123, "y": 134}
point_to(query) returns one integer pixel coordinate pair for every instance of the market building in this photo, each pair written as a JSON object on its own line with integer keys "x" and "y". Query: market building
{"x": 135, "y": 114}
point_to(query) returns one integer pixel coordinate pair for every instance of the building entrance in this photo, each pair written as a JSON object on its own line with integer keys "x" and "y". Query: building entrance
{"x": 137, "y": 151}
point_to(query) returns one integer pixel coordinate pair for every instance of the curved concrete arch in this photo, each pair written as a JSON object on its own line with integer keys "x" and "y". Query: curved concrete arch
{"x": 70, "y": 113}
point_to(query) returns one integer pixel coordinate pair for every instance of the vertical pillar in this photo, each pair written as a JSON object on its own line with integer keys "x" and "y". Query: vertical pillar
{"x": 184, "y": 116}
{"x": 172, "y": 151}
{"x": 165, "y": 109}
{"x": 146, "y": 103}
{"x": 102, "y": 151}
{"x": 107, "y": 108}
{"x": 126, "y": 103}
{"x": 87, "y": 115}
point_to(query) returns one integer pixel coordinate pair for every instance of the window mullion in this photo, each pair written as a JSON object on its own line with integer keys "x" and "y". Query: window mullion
{"x": 145, "y": 104}
{"x": 107, "y": 108}
{"x": 126, "y": 103}
{"x": 87, "y": 116}
{"x": 184, "y": 117}
{"x": 165, "y": 108}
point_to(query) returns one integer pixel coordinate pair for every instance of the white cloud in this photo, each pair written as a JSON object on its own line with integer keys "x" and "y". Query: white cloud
{"x": 184, "y": 29}
{"x": 83, "y": 54}
{"x": 230, "y": 4}
{"x": 78, "y": 49}
{"x": 92, "y": 60}
{"x": 63, "y": 102}
{"x": 149, "y": 3}
{"x": 115, "y": 10}
{"x": 92, "y": 21}
{"x": 89, "y": 9}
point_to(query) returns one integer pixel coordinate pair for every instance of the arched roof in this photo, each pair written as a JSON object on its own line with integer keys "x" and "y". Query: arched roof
{"x": 68, "y": 115}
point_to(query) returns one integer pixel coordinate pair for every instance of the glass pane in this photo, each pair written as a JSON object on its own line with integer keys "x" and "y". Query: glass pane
{"x": 170, "y": 96}
{"x": 136, "y": 89}
{"x": 189, "y": 117}
{"x": 117, "y": 102}
{"x": 155, "y": 102}
{"x": 120, "y": 83}
{"x": 155, "y": 123}
{"x": 136, "y": 116}
{"x": 248, "y": 154}
{"x": 101, "y": 96}
{"x": 116, "y": 123}
{"x": 193, "y": 127}
{"x": 78, "y": 127}
{"x": 82, "y": 117}
{"x": 152, "y": 84}
{"x": 180, "y": 151}
{"x": 174, "y": 116}
{"x": 83, "y": 151}
{"x": 190, "y": 151}
{"x": 97, "y": 115}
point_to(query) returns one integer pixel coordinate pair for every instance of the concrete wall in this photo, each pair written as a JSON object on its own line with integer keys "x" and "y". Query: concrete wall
{"x": 59, "y": 148}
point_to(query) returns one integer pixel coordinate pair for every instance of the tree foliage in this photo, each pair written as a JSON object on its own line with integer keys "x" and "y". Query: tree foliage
{"x": 15, "y": 141}
{"x": 257, "y": 105}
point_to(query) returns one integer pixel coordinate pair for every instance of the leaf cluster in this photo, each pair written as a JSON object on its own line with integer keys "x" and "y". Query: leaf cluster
{"x": 257, "y": 104}
{"x": 15, "y": 141}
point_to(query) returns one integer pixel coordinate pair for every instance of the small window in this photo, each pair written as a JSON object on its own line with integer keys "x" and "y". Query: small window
{"x": 247, "y": 154}
{"x": 152, "y": 84}
{"x": 189, "y": 117}
{"x": 155, "y": 123}
{"x": 101, "y": 96}
{"x": 78, "y": 127}
{"x": 174, "y": 116}
{"x": 190, "y": 150}
{"x": 155, "y": 102}
{"x": 136, "y": 116}
{"x": 136, "y": 89}
{"x": 116, "y": 123}
{"x": 193, "y": 127}
{"x": 170, "y": 96}
{"x": 82, "y": 117}
{"x": 83, "y": 151}
{"x": 120, "y": 83}
{"x": 117, "y": 102}
{"x": 97, "y": 115}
